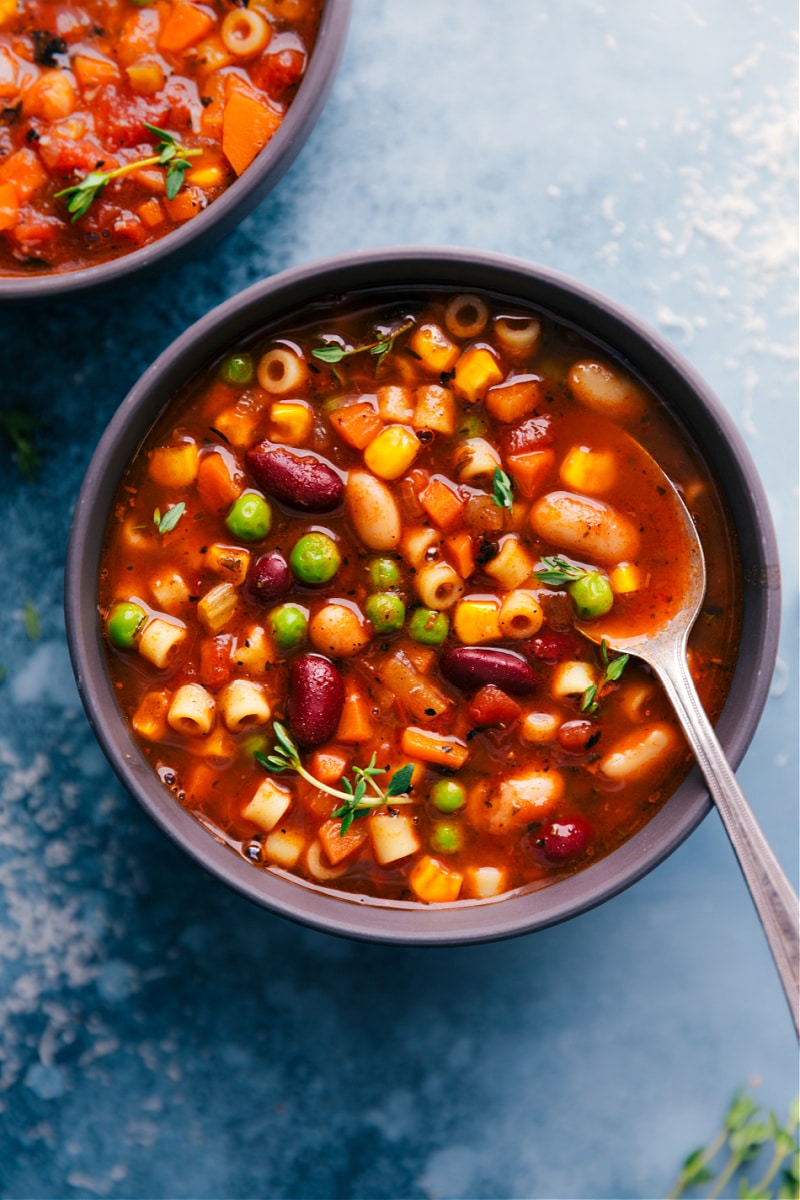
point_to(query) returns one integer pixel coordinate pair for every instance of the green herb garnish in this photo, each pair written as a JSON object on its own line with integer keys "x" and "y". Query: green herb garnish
{"x": 501, "y": 484}
{"x": 30, "y": 619}
{"x": 557, "y": 571}
{"x": 380, "y": 348}
{"x": 18, "y": 427}
{"x": 285, "y": 756}
{"x": 171, "y": 155}
{"x": 746, "y": 1132}
{"x": 167, "y": 522}
{"x": 613, "y": 669}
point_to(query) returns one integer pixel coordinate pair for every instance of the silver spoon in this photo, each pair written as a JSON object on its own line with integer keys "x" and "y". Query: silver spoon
{"x": 665, "y": 651}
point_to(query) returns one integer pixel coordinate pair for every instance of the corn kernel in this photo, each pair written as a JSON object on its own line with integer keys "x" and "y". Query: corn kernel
{"x": 433, "y": 882}
{"x": 291, "y": 422}
{"x": 587, "y": 470}
{"x": 434, "y": 348}
{"x": 476, "y": 371}
{"x": 626, "y": 577}
{"x": 392, "y": 452}
{"x": 8, "y": 10}
{"x": 476, "y": 621}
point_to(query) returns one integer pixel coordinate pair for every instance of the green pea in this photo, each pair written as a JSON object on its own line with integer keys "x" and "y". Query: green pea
{"x": 124, "y": 622}
{"x": 383, "y": 573}
{"x": 237, "y": 368}
{"x": 428, "y": 626}
{"x": 250, "y": 518}
{"x": 447, "y": 795}
{"x": 447, "y": 837}
{"x": 289, "y": 626}
{"x": 385, "y": 611}
{"x": 591, "y": 595}
{"x": 315, "y": 558}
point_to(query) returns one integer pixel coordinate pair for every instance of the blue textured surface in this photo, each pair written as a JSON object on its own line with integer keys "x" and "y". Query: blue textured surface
{"x": 159, "y": 1037}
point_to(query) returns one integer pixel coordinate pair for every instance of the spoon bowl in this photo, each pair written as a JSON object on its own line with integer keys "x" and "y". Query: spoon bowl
{"x": 664, "y": 649}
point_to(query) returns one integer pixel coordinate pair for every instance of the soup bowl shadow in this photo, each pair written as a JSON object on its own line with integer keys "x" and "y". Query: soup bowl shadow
{"x": 647, "y": 355}
{"x": 223, "y": 215}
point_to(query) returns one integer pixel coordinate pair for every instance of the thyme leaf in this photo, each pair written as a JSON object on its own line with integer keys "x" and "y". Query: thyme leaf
{"x": 18, "y": 427}
{"x": 557, "y": 571}
{"x": 613, "y": 670}
{"x": 167, "y": 522}
{"x": 501, "y": 483}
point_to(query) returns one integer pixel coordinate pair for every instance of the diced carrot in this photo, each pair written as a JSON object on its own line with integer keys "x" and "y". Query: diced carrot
{"x": 434, "y": 747}
{"x": 317, "y": 803}
{"x": 185, "y": 25}
{"x": 187, "y": 204}
{"x": 327, "y": 764}
{"x": 138, "y": 36}
{"x": 355, "y": 725}
{"x": 338, "y": 846}
{"x": 92, "y": 72}
{"x": 215, "y": 661}
{"x": 357, "y": 423}
{"x": 247, "y": 126}
{"x": 492, "y": 706}
{"x": 9, "y": 206}
{"x": 26, "y": 172}
{"x": 51, "y": 97}
{"x": 217, "y": 484}
{"x": 151, "y": 212}
{"x": 460, "y": 551}
{"x": 514, "y": 399}
{"x": 441, "y": 503}
{"x": 213, "y": 94}
{"x": 530, "y": 470}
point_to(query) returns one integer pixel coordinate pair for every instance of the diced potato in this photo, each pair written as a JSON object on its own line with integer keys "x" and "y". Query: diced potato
{"x": 174, "y": 466}
{"x": 284, "y": 847}
{"x": 480, "y": 883}
{"x": 572, "y": 678}
{"x": 434, "y": 348}
{"x": 476, "y": 370}
{"x": 392, "y": 837}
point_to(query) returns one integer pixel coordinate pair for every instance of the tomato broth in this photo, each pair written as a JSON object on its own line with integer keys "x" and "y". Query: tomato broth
{"x": 344, "y": 583}
{"x": 122, "y": 120}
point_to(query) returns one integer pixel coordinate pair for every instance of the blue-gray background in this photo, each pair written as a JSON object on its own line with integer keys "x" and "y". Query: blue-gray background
{"x": 161, "y": 1038}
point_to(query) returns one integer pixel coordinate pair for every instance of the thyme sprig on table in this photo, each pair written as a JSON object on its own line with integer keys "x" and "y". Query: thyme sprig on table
{"x": 613, "y": 669}
{"x": 18, "y": 428}
{"x": 334, "y": 354}
{"x": 746, "y": 1132}
{"x": 285, "y": 756}
{"x": 171, "y": 154}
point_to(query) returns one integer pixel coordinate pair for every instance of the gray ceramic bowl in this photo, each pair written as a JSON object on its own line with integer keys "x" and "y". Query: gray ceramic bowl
{"x": 233, "y": 205}
{"x": 647, "y": 354}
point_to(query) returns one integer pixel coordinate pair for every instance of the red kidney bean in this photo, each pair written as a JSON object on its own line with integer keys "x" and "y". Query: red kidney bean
{"x": 577, "y": 736}
{"x": 299, "y": 481}
{"x": 562, "y": 840}
{"x": 552, "y": 646}
{"x": 269, "y": 578}
{"x": 471, "y": 667}
{"x": 316, "y": 699}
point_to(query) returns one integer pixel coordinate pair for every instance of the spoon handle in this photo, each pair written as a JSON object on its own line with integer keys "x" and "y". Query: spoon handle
{"x": 775, "y": 901}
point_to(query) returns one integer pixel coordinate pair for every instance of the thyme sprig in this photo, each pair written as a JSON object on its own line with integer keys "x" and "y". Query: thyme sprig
{"x": 746, "y": 1132}
{"x": 18, "y": 428}
{"x": 334, "y": 354}
{"x": 356, "y": 802}
{"x": 171, "y": 154}
{"x": 502, "y": 489}
{"x": 613, "y": 669}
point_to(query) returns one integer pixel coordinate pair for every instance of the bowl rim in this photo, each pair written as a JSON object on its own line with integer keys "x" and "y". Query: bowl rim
{"x": 633, "y": 341}
{"x": 235, "y": 203}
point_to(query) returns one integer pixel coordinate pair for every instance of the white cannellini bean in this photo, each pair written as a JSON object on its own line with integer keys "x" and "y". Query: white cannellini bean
{"x": 585, "y": 527}
{"x": 609, "y": 392}
{"x": 639, "y": 753}
{"x": 373, "y": 511}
